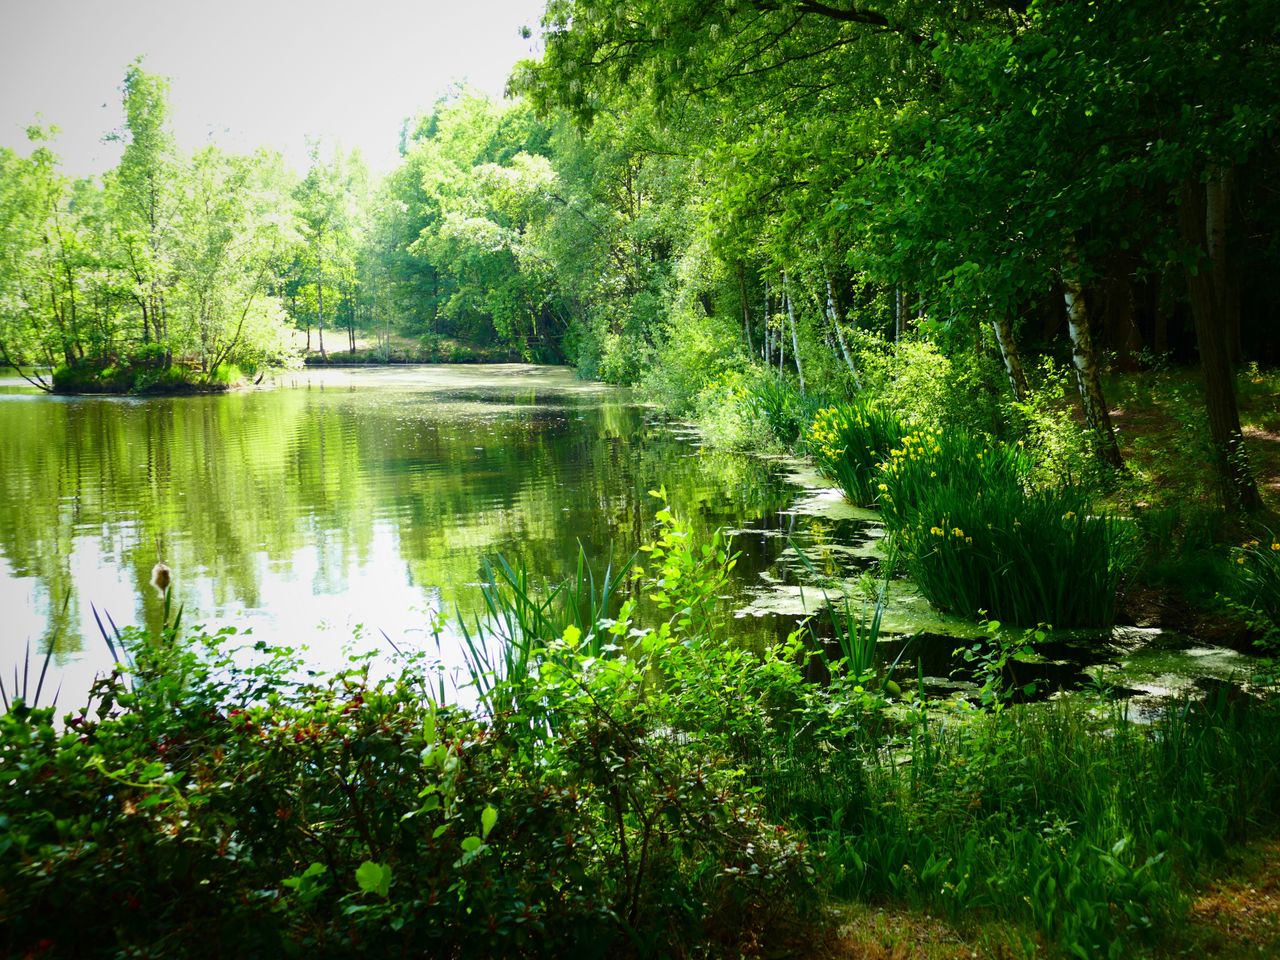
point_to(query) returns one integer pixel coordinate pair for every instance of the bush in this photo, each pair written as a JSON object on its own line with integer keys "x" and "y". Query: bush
{"x": 623, "y": 792}
{"x": 927, "y": 389}
{"x": 726, "y": 413}
{"x": 1058, "y": 442}
{"x": 210, "y": 804}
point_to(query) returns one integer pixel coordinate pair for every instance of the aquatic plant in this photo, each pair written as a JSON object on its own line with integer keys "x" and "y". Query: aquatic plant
{"x": 786, "y": 409}
{"x": 849, "y": 443}
{"x": 20, "y": 692}
{"x": 978, "y": 540}
{"x": 1257, "y": 581}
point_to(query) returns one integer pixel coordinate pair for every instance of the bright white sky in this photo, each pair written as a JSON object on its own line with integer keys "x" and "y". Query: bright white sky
{"x": 248, "y": 73}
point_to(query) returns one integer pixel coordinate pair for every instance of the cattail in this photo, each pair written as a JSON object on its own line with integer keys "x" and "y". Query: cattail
{"x": 161, "y": 577}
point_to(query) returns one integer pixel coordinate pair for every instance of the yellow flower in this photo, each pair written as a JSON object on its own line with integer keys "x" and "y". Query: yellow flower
{"x": 883, "y": 488}
{"x": 1275, "y": 546}
{"x": 1239, "y": 559}
{"x": 1068, "y": 515}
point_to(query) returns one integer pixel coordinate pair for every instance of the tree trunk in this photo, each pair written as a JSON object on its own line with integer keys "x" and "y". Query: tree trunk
{"x": 351, "y": 325}
{"x": 767, "y": 346}
{"x": 899, "y": 314}
{"x": 1120, "y": 312}
{"x": 1202, "y": 222}
{"x": 780, "y": 341}
{"x": 835, "y": 323}
{"x": 1226, "y": 279}
{"x": 1008, "y": 345}
{"x": 746, "y": 309}
{"x": 1088, "y": 377}
{"x": 795, "y": 340}
{"x": 320, "y": 315}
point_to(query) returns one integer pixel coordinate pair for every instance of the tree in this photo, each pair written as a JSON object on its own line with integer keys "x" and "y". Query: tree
{"x": 329, "y": 219}
{"x": 236, "y": 218}
{"x": 143, "y": 193}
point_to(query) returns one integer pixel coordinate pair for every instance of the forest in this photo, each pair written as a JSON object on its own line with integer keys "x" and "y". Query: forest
{"x": 1003, "y": 273}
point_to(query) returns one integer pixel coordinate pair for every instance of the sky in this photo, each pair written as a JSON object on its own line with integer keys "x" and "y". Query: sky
{"x": 250, "y": 73}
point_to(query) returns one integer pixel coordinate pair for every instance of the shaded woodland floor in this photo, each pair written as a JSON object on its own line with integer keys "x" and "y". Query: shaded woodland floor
{"x": 1234, "y": 915}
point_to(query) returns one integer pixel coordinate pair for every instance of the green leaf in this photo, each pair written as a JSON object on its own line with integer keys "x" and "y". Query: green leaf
{"x": 374, "y": 878}
{"x": 487, "y": 819}
{"x": 471, "y": 844}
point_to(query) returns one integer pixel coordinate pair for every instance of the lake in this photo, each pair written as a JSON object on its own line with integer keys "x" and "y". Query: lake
{"x": 344, "y": 502}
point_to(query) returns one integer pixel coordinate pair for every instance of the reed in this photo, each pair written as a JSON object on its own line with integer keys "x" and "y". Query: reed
{"x": 505, "y": 647}
{"x": 21, "y": 692}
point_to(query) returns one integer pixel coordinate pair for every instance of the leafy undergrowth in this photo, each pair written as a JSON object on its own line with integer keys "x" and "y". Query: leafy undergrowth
{"x": 1232, "y": 915}
{"x": 1163, "y": 433}
{"x": 618, "y": 791}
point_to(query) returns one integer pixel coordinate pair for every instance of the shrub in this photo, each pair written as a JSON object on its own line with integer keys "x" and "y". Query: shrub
{"x": 926, "y": 389}
{"x": 210, "y": 803}
{"x": 727, "y": 414}
{"x": 1057, "y": 441}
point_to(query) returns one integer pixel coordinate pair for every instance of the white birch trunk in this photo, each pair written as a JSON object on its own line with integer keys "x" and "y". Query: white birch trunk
{"x": 1009, "y": 354}
{"x": 795, "y": 341}
{"x": 844, "y": 349}
{"x": 1085, "y": 361}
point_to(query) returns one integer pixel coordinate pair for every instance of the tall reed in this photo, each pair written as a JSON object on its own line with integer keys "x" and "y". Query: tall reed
{"x": 504, "y": 648}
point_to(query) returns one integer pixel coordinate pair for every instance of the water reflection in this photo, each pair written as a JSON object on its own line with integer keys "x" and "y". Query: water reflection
{"x": 342, "y": 500}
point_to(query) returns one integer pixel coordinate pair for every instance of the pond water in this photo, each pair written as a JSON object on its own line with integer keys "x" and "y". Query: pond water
{"x": 340, "y": 504}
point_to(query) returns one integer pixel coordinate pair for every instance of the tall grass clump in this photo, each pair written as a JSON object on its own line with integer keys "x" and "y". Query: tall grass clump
{"x": 974, "y": 536}
{"x": 517, "y": 635}
{"x": 849, "y": 443}
{"x": 783, "y": 408}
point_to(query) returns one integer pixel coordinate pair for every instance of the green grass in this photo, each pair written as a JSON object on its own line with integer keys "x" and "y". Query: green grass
{"x": 1079, "y": 826}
